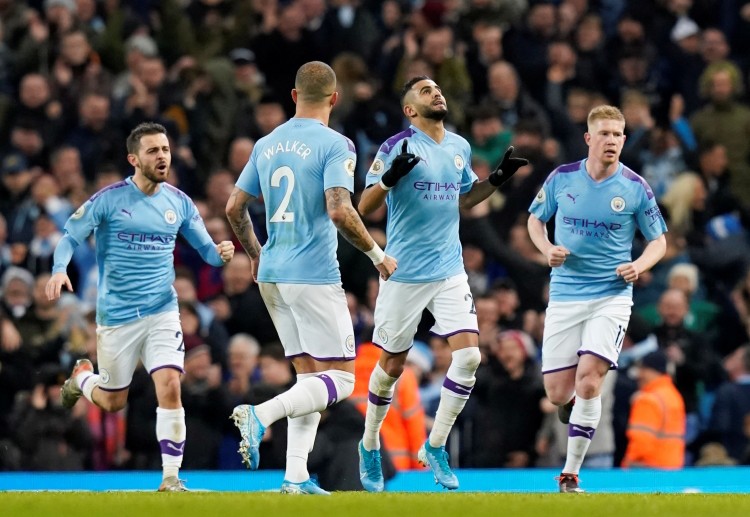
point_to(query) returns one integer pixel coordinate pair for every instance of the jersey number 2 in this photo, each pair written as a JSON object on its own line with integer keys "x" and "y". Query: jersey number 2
{"x": 281, "y": 215}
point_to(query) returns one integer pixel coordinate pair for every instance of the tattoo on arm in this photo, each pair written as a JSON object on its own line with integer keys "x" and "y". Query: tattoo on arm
{"x": 346, "y": 218}
{"x": 241, "y": 224}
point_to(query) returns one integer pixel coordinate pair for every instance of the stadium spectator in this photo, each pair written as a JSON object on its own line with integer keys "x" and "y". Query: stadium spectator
{"x": 656, "y": 428}
{"x": 731, "y": 409}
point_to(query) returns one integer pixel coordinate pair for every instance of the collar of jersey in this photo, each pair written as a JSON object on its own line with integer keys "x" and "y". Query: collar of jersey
{"x": 598, "y": 184}
{"x": 129, "y": 181}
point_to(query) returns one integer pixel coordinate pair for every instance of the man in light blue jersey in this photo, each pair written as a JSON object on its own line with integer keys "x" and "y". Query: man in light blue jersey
{"x": 424, "y": 190}
{"x": 305, "y": 173}
{"x": 598, "y": 203}
{"x": 136, "y": 222}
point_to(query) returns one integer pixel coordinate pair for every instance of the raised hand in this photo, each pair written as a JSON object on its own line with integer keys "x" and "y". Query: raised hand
{"x": 400, "y": 167}
{"x": 507, "y": 168}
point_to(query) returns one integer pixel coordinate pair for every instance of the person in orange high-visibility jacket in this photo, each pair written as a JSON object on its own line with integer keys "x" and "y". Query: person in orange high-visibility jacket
{"x": 656, "y": 428}
{"x": 403, "y": 431}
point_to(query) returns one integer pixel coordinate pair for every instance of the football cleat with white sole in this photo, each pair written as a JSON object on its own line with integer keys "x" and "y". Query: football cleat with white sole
{"x": 437, "y": 459}
{"x": 308, "y": 487}
{"x": 370, "y": 469}
{"x": 70, "y": 392}
{"x": 172, "y": 484}
{"x": 251, "y": 431}
{"x": 569, "y": 483}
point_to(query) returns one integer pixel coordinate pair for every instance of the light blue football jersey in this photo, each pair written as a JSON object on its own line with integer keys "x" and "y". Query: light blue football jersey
{"x": 135, "y": 239}
{"x": 596, "y": 221}
{"x": 291, "y": 168}
{"x": 423, "y": 215}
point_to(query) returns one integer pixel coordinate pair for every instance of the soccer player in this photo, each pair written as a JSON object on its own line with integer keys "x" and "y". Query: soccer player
{"x": 598, "y": 203}
{"x": 136, "y": 222}
{"x": 424, "y": 175}
{"x": 305, "y": 173}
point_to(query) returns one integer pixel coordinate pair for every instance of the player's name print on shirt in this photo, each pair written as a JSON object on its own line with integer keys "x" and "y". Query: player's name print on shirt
{"x": 288, "y": 146}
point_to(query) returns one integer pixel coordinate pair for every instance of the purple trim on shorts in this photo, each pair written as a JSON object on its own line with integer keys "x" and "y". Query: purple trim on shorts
{"x": 580, "y": 431}
{"x": 378, "y": 401}
{"x": 458, "y": 389}
{"x": 613, "y": 364}
{"x": 172, "y": 448}
{"x": 559, "y": 369}
{"x": 322, "y": 359}
{"x": 114, "y": 389}
{"x": 331, "y": 386}
{"x": 446, "y": 336}
{"x": 384, "y": 349}
{"x": 173, "y": 366}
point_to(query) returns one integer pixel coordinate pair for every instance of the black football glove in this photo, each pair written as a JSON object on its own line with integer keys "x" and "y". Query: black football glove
{"x": 400, "y": 167}
{"x": 507, "y": 168}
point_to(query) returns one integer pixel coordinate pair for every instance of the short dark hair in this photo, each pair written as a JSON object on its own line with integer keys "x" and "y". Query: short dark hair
{"x": 408, "y": 86}
{"x": 145, "y": 128}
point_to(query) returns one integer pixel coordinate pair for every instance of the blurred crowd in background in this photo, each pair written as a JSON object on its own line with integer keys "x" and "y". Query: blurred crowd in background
{"x": 77, "y": 75}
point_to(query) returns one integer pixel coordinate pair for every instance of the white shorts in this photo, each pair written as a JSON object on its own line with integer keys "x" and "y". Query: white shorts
{"x": 156, "y": 340}
{"x": 399, "y": 307}
{"x": 595, "y": 327}
{"x": 311, "y": 320}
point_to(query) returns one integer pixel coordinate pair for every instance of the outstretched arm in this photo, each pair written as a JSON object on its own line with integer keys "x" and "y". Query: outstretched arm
{"x": 348, "y": 223}
{"x": 481, "y": 190}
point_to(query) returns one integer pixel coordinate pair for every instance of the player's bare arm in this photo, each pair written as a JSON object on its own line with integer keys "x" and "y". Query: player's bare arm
{"x": 347, "y": 221}
{"x": 372, "y": 198}
{"x": 538, "y": 232}
{"x": 652, "y": 253}
{"x": 54, "y": 285}
{"x": 239, "y": 219}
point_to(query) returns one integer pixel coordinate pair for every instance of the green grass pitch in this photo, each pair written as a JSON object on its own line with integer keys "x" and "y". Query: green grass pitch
{"x": 357, "y": 504}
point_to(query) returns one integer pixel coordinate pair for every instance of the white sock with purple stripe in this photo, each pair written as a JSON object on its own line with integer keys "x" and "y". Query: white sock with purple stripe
{"x": 378, "y": 403}
{"x": 456, "y": 389}
{"x": 170, "y": 431}
{"x": 87, "y": 381}
{"x": 309, "y": 395}
{"x": 583, "y": 421}
{"x": 301, "y": 433}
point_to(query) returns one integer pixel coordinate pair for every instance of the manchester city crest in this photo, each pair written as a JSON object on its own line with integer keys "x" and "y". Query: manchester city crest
{"x": 617, "y": 204}
{"x": 170, "y": 216}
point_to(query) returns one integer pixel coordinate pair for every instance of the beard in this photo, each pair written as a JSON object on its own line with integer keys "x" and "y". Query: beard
{"x": 152, "y": 174}
{"x": 435, "y": 114}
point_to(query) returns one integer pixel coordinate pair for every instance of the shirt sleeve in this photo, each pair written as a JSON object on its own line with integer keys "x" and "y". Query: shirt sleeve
{"x": 380, "y": 164}
{"x": 339, "y": 167}
{"x": 468, "y": 176}
{"x": 648, "y": 217}
{"x": 544, "y": 205}
{"x": 249, "y": 181}
{"x": 194, "y": 231}
{"x": 84, "y": 220}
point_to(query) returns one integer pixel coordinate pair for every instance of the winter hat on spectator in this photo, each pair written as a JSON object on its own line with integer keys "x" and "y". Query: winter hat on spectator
{"x": 242, "y": 56}
{"x": 420, "y": 356}
{"x": 143, "y": 44}
{"x": 13, "y": 163}
{"x": 70, "y": 5}
{"x": 522, "y": 339}
{"x": 655, "y": 361}
{"x": 684, "y": 28}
